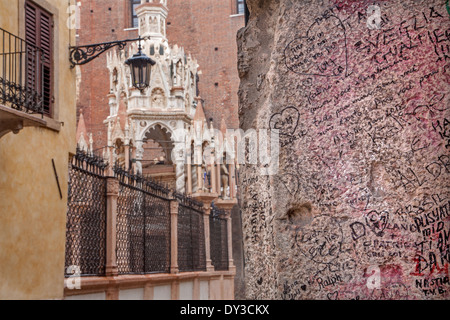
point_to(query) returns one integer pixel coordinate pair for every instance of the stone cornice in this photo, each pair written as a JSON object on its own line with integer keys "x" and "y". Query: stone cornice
{"x": 161, "y": 115}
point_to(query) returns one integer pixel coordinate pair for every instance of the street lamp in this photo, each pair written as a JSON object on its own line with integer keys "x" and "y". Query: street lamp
{"x": 139, "y": 64}
{"x": 141, "y": 68}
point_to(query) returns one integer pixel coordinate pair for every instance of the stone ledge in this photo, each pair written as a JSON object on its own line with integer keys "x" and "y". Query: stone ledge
{"x": 226, "y": 204}
{"x": 205, "y": 197}
{"x": 98, "y": 284}
{"x": 14, "y": 121}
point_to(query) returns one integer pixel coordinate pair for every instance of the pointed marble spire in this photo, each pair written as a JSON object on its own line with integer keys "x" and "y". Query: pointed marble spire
{"x": 91, "y": 144}
{"x": 223, "y": 127}
{"x": 200, "y": 112}
{"x": 82, "y": 134}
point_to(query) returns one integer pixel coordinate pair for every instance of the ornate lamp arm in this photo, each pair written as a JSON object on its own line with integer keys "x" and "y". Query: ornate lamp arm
{"x": 80, "y": 55}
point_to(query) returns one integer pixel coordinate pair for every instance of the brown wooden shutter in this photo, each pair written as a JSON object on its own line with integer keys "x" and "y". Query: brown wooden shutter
{"x": 39, "y": 33}
{"x": 46, "y": 46}
{"x": 31, "y": 38}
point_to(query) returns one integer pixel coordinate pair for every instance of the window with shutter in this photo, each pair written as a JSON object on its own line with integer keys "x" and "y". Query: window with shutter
{"x": 39, "y": 34}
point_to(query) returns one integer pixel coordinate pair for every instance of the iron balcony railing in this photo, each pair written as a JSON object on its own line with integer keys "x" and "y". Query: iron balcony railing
{"x": 21, "y": 74}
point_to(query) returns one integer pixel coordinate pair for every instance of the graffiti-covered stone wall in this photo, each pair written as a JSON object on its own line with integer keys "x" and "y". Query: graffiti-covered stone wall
{"x": 359, "y": 92}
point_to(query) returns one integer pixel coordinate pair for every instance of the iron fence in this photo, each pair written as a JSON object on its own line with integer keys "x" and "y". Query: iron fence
{"x": 191, "y": 235}
{"x": 21, "y": 74}
{"x": 143, "y": 225}
{"x": 86, "y": 216}
{"x": 218, "y": 228}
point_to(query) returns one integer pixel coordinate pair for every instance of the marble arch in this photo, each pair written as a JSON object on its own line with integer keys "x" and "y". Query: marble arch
{"x": 162, "y": 135}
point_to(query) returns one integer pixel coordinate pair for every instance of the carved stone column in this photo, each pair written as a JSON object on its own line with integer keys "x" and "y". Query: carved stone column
{"x": 232, "y": 180}
{"x": 112, "y": 193}
{"x": 133, "y": 159}
{"x": 213, "y": 174}
{"x": 209, "y": 266}
{"x": 180, "y": 177}
{"x": 218, "y": 180}
{"x": 127, "y": 157}
{"x": 198, "y": 162}
{"x": 207, "y": 199}
{"x": 179, "y": 153}
{"x": 139, "y": 156}
{"x": 231, "y": 266}
{"x": 194, "y": 178}
{"x": 189, "y": 172}
{"x": 110, "y": 160}
{"x": 227, "y": 205}
{"x": 127, "y": 146}
{"x": 174, "y": 236}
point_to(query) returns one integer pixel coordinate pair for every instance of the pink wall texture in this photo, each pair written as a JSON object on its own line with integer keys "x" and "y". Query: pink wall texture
{"x": 360, "y": 94}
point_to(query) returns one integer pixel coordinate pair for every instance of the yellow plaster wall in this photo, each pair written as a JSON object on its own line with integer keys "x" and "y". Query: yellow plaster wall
{"x": 32, "y": 214}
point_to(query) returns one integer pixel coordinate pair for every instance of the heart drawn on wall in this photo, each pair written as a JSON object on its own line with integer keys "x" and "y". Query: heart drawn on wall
{"x": 286, "y": 121}
{"x": 322, "y": 51}
{"x": 332, "y": 295}
{"x": 377, "y": 221}
{"x": 291, "y": 183}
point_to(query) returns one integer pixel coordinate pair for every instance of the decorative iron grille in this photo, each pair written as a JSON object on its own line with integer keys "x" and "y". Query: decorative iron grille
{"x": 143, "y": 225}
{"x": 86, "y": 216}
{"x": 21, "y": 74}
{"x": 218, "y": 228}
{"x": 191, "y": 235}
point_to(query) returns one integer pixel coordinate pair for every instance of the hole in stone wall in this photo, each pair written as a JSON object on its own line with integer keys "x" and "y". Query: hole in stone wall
{"x": 300, "y": 214}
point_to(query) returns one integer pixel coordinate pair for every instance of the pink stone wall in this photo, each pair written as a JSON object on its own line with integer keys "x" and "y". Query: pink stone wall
{"x": 360, "y": 207}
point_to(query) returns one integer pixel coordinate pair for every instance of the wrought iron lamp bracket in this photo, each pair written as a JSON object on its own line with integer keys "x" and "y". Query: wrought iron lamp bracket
{"x": 80, "y": 55}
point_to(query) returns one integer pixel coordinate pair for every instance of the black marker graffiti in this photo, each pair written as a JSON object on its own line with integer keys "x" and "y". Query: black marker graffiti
{"x": 322, "y": 51}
